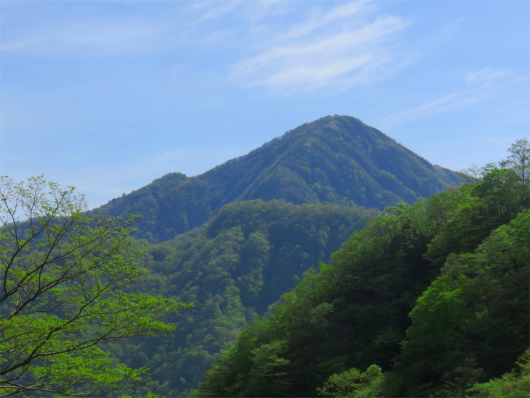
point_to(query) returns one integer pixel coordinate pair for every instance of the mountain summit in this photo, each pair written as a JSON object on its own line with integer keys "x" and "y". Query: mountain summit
{"x": 336, "y": 159}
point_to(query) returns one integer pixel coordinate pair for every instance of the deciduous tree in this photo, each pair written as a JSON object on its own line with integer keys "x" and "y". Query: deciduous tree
{"x": 61, "y": 275}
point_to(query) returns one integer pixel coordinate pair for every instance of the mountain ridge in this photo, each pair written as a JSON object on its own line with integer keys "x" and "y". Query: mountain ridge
{"x": 336, "y": 159}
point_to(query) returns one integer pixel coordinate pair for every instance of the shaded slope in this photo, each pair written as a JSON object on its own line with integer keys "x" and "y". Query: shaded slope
{"x": 231, "y": 269}
{"x": 334, "y": 159}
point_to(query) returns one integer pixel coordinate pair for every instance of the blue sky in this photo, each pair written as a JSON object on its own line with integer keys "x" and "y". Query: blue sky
{"x": 109, "y": 95}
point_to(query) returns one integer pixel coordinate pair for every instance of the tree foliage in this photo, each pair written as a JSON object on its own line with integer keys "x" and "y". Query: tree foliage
{"x": 435, "y": 293}
{"x": 353, "y": 383}
{"x": 232, "y": 269}
{"x": 61, "y": 298}
{"x": 514, "y": 384}
{"x": 474, "y": 314}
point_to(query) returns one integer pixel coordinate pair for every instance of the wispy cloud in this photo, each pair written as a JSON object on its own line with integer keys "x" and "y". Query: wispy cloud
{"x": 318, "y": 19}
{"x": 340, "y": 47}
{"x": 478, "y": 86}
{"x": 278, "y": 45}
{"x": 485, "y": 76}
{"x": 99, "y": 29}
{"x": 201, "y": 12}
{"x": 95, "y": 37}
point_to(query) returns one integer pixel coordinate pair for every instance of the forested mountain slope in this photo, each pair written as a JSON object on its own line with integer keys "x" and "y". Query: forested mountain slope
{"x": 270, "y": 216}
{"x": 429, "y": 299}
{"x": 336, "y": 159}
{"x": 232, "y": 269}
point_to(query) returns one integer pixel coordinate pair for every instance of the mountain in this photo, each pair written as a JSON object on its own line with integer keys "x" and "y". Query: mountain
{"x": 335, "y": 159}
{"x": 428, "y": 300}
{"x": 231, "y": 269}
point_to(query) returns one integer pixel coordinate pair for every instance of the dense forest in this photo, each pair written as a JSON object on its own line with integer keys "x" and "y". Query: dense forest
{"x": 329, "y": 262}
{"x": 430, "y": 299}
{"x": 232, "y": 270}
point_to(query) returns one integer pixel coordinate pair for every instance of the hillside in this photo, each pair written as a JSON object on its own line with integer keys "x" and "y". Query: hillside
{"x": 335, "y": 159}
{"x": 232, "y": 269}
{"x": 428, "y": 300}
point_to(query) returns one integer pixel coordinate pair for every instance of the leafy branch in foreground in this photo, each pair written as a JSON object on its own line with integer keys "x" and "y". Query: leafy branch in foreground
{"x": 60, "y": 278}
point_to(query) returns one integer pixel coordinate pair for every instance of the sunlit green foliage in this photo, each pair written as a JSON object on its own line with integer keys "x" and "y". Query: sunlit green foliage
{"x": 353, "y": 383}
{"x": 61, "y": 294}
{"x": 474, "y": 314}
{"x": 515, "y": 384}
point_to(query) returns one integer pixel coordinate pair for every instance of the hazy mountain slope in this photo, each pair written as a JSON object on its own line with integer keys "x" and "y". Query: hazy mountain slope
{"x": 334, "y": 159}
{"x": 231, "y": 269}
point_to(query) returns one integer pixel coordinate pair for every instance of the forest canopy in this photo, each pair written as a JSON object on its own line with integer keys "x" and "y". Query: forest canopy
{"x": 429, "y": 299}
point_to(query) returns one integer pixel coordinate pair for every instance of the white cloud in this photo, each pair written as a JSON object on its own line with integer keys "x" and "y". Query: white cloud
{"x": 335, "y": 48}
{"x": 479, "y": 86}
{"x": 93, "y": 37}
{"x": 201, "y": 12}
{"x": 97, "y": 30}
{"x": 318, "y": 20}
{"x": 312, "y": 47}
{"x": 484, "y": 76}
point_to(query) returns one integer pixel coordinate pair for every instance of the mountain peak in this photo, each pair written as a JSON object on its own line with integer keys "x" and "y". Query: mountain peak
{"x": 336, "y": 159}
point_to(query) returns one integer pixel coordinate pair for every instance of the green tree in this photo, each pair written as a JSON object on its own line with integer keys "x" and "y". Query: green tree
{"x": 519, "y": 159}
{"x": 60, "y": 298}
{"x": 472, "y": 321}
{"x": 511, "y": 385}
{"x": 355, "y": 384}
